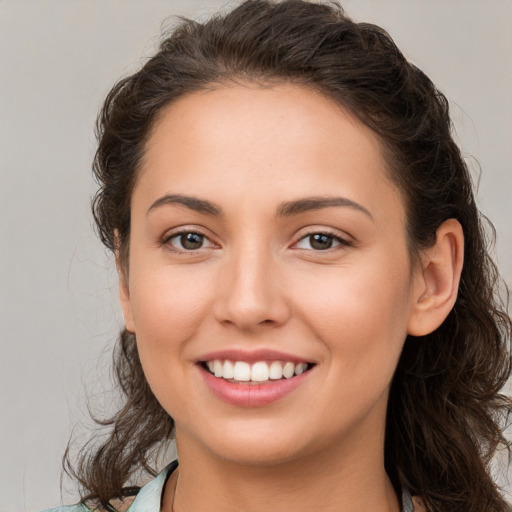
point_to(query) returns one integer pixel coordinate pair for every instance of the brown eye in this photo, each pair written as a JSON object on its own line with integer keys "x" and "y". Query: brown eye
{"x": 189, "y": 241}
{"x": 320, "y": 242}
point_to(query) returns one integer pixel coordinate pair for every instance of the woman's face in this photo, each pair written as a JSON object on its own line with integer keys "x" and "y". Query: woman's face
{"x": 267, "y": 240}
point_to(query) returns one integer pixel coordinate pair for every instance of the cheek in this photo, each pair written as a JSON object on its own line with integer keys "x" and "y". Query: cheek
{"x": 169, "y": 306}
{"x": 360, "y": 312}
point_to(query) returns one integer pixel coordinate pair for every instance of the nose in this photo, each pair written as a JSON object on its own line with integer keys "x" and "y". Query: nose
{"x": 250, "y": 292}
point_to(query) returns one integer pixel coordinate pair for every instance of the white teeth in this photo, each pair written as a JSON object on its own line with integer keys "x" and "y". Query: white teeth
{"x": 242, "y": 371}
{"x": 276, "y": 370}
{"x": 288, "y": 370}
{"x": 260, "y": 371}
{"x": 217, "y": 368}
{"x": 228, "y": 370}
{"x": 300, "y": 368}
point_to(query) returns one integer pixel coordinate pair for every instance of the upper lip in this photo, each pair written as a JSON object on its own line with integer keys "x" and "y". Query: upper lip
{"x": 252, "y": 356}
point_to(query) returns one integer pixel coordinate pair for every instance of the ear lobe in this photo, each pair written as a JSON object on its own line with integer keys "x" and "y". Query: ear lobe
{"x": 124, "y": 296}
{"x": 438, "y": 280}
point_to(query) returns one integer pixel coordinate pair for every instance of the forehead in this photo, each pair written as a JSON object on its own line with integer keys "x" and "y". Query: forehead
{"x": 280, "y": 141}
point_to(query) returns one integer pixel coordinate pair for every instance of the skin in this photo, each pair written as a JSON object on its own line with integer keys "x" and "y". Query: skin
{"x": 257, "y": 282}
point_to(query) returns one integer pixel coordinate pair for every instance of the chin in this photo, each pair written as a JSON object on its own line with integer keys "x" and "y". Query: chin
{"x": 261, "y": 443}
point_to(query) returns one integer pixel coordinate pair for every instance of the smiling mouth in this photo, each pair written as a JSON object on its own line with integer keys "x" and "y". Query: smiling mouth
{"x": 259, "y": 372}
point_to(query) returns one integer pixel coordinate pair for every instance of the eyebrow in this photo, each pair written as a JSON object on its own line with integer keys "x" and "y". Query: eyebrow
{"x": 286, "y": 209}
{"x": 316, "y": 203}
{"x": 193, "y": 203}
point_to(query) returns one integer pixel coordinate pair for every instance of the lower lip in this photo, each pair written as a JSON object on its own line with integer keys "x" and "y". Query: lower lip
{"x": 252, "y": 395}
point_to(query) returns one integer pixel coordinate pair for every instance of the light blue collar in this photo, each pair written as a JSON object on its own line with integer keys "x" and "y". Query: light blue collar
{"x": 149, "y": 498}
{"x": 407, "y": 505}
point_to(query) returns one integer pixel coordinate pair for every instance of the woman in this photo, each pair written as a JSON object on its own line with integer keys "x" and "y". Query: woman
{"x": 310, "y": 308}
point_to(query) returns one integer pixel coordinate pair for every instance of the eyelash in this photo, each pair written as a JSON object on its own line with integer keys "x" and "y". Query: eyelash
{"x": 178, "y": 234}
{"x": 333, "y": 237}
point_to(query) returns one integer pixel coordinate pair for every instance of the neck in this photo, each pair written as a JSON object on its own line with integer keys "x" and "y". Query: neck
{"x": 347, "y": 481}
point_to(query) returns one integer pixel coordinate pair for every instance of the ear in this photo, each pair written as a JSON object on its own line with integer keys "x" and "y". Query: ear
{"x": 437, "y": 281}
{"x": 124, "y": 294}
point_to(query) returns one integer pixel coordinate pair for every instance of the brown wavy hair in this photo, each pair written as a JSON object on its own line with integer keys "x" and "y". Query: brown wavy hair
{"x": 445, "y": 414}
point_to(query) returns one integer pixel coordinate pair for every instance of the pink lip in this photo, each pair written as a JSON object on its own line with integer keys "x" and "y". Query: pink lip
{"x": 252, "y": 356}
{"x": 251, "y": 395}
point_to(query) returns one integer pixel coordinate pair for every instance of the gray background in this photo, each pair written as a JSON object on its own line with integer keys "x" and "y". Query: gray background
{"x": 58, "y": 299}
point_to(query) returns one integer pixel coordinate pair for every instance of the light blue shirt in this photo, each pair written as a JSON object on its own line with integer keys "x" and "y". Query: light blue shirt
{"x": 149, "y": 498}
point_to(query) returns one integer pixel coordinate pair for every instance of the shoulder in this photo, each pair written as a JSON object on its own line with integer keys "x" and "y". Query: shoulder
{"x": 79, "y": 507}
{"x": 117, "y": 505}
{"x": 147, "y": 499}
